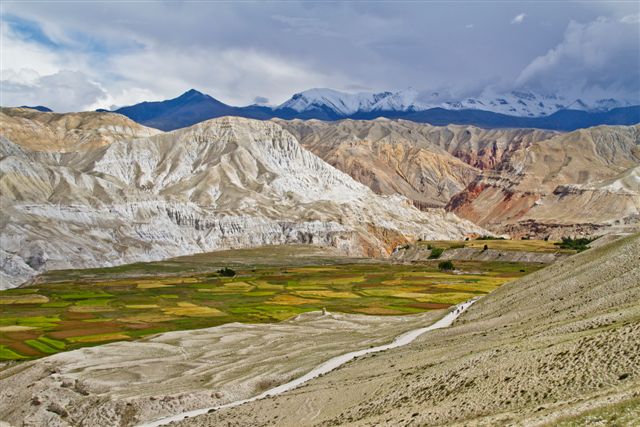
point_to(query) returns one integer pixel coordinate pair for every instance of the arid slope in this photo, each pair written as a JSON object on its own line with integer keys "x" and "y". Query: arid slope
{"x": 223, "y": 183}
{"x": 53, "y": 132}
{"x": 428, "y": 164}
{"x": 575, "y": 182}
{"x": 515, "y": 181}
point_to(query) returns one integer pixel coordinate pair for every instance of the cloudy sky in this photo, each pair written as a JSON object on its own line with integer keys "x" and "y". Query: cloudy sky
{"x": 84, "y": 55}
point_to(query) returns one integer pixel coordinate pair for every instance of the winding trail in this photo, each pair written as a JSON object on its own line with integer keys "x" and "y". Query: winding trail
{"x": 324, "y": 368}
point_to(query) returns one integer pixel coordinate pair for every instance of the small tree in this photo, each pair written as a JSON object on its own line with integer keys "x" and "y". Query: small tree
{"x": 435, "y": 253}
{"x": 446, "y": 266}
{"x": 226, "y": 272}
{"x": 485, "y": 248}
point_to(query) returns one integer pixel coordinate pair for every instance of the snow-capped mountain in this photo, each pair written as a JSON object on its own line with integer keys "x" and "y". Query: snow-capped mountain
{"x": 341, "y": 103}
{"x": 514, "y": 103}
{"x": 512, "y": 110}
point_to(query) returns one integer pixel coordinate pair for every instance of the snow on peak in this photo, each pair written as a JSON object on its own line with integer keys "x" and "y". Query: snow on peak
{"x": 523, "y": 103}
{"x": 345, "y": 103}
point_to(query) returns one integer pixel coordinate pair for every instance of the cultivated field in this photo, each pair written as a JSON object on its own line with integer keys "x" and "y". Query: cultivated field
{"x": 76, "y": 308}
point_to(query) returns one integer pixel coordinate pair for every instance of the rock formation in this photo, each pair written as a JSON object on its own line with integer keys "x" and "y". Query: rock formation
{"x": 224, "y": 183}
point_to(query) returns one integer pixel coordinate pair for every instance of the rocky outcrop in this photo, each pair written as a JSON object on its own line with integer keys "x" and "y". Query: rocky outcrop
{"x": 519, "y": 181}
{"x": 428, "y": 164}
{"x": 582, "y": 182}
{"x": 225, "y": 183}
{"x": 397, "y": 156}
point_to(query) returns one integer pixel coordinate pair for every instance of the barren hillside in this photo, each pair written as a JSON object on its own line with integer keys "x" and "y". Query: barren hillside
{"x": 52, "y": 132}
{"x": 515, "y": 181}
{"x": 224, "y": 183}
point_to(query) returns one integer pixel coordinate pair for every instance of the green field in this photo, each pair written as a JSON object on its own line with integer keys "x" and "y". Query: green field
{"x": 68, "y": 309}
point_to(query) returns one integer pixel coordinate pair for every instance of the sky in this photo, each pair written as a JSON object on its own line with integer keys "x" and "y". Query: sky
{"x": 83, "y": 55}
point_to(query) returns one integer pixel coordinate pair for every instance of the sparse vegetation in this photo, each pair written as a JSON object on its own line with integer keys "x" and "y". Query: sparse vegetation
{"x": 490, "y": 238}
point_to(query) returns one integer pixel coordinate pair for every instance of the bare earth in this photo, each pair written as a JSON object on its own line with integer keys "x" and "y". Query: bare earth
{"x": 126, "y": 383}
{"x": 554, "y": 345}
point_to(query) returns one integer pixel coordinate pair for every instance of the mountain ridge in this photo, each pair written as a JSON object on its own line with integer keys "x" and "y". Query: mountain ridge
{"x": 326, "y": 104}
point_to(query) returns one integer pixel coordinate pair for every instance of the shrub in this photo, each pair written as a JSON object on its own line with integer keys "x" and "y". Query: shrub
{"x": 579, "y": 244}
{"x": 490, "y": 238}
{"x": 446, "y": 266}
{"x": 435, "y": 253}
{"x": 485, "y": 248}
{"x": 226, "y": 272}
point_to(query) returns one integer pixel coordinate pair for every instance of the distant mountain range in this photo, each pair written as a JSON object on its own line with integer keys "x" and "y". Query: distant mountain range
{"x": 515, "y": 103}
{"x": 517, "y": 109}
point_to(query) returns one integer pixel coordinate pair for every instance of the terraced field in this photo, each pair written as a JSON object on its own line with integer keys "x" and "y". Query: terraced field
{"x": 75, "y": 308}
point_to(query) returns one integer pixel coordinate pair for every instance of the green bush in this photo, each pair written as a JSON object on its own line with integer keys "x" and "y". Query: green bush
{"x": 226, "y": 272}
{"x": 435, "y": 253}
{"x": 579, "y": 244}
{"x": 490, "y": 238}
{"x": 446, "y": 266}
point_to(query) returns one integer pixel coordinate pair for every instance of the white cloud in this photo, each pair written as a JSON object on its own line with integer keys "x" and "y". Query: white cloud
{"x": 17, "y": 54}
{"x": 631, "y": 19}
{"x": 236, "y": 51}
{"x": 233, "y": 76}
{"x": 518, "y": 18}
{"x": 63, "y": 91}
{"x": 72, "y": 80}
{"x": 595, "y": 59}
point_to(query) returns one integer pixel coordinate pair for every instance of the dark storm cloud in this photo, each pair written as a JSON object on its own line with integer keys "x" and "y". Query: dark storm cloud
{"x": 237, "y": 51}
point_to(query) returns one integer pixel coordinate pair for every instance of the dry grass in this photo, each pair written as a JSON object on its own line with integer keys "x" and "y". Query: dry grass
{"x": 327, "y": 294}
{"x": 192, "y": 310}
{"x": 23, "y": 299}
{"x": 288, "y": 299}
{"x": 16, "y": 328}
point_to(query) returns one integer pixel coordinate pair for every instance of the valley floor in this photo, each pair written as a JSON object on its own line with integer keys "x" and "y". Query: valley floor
{"x": 559, "y": 345}
{"x": 68, "y": 309}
